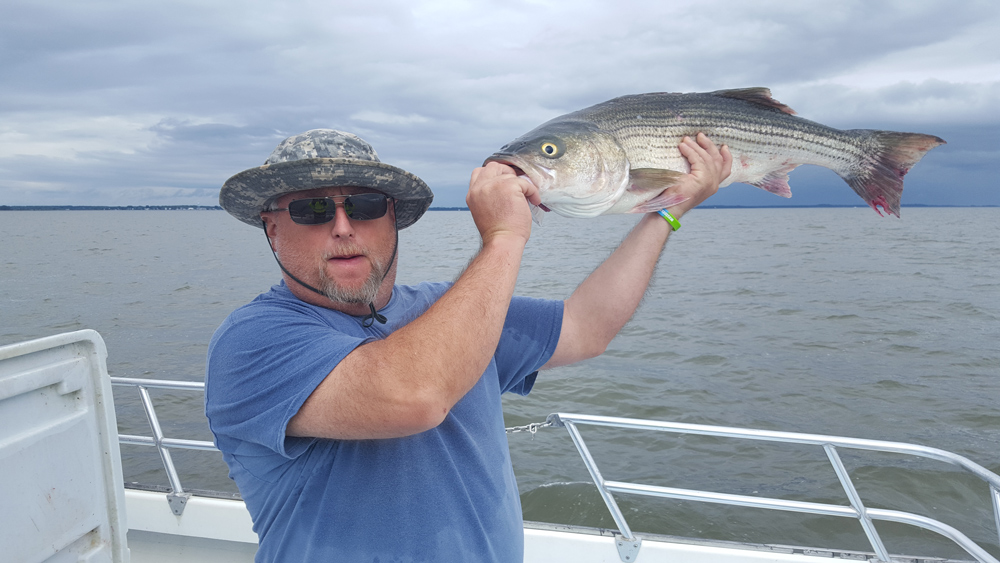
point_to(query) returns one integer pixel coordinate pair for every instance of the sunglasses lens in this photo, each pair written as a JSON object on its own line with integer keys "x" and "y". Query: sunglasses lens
{"x": 319, "y": 210}
{"x": 365, "y": 206}
{"x": 312, "y": 211}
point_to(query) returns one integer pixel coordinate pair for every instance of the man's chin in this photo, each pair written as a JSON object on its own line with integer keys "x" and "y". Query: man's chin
{"x": 361, "y": 293}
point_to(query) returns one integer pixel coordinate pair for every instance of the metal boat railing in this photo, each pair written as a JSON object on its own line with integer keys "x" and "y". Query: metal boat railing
{"x": 176, "y": 497}
{"x": 627, "y": 542}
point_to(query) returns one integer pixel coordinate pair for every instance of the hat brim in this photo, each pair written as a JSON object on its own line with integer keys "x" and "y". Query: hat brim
{"x": 246, "y": 194}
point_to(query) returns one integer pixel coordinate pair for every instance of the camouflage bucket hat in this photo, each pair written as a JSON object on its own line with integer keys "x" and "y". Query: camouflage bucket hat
{"x": 322, "y": 158}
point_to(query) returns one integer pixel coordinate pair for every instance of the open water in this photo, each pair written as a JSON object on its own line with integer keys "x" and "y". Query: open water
{"x": 828, "y": 321}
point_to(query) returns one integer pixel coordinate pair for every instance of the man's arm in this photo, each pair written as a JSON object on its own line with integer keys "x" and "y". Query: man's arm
{"x": 599, "y": 308}
{"x": 409, "y": 381}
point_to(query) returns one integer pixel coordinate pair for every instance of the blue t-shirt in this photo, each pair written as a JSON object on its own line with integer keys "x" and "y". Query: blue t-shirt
{"x": 447, "y": 494}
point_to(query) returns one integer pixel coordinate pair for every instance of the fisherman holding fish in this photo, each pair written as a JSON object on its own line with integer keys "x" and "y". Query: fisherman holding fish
{"x": 361, "y": 419}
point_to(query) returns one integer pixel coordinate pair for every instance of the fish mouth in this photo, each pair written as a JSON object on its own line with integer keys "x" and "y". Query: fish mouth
{"x": 499, "y": 159}
{"x": 514, "y": 162}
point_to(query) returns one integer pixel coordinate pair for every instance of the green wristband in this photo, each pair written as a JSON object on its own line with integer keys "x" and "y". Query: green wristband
{"x": 674, "y": 223}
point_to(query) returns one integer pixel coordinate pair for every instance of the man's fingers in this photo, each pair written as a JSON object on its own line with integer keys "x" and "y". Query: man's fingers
{"x": 490, "y": 170}
{"x": 727, "y": 161}
{"x": 495, "y": 171}
{"x": 695, "y": 152}
{"x": 530, "y": 190}
{"x": 706, "y": 143}
{"x": 702, "y": 152}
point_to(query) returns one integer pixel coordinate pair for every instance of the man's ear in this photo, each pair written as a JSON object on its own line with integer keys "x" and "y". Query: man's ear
{"x": 270, "y": 229}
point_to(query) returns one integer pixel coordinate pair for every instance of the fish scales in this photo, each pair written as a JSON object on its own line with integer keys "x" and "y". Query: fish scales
{"x": 652, "y": 141}
{"x": 620, "y": 155}
{"x": 754, "y": 136}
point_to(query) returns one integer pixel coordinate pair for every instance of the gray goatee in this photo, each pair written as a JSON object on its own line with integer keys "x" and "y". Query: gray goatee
{"x": 362, "y": 295}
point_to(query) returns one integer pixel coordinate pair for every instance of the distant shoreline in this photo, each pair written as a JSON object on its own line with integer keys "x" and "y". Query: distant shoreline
{"x": 217, "y": 208}
{"x": 145, "y": 208}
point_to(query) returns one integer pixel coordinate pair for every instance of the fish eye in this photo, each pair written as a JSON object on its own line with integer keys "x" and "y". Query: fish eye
{"x": 550, "y": 149}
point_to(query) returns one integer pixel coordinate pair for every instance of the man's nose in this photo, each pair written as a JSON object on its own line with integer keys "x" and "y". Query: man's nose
{"x": 341, "y": 222}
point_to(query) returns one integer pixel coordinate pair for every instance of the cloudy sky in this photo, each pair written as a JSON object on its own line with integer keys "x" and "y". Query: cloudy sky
{"x": 141, "y": 102}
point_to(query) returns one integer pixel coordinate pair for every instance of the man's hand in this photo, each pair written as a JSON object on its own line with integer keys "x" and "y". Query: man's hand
{"x": 498, "y": 200}
{"x": 710, "y": 165}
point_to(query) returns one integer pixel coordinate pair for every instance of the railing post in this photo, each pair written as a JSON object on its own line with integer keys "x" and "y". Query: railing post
{"x": 995, "y": 493}
{"x": 859, "y": 507}
{"x": 628, "y": 545}
{"x": 177, "y": 498}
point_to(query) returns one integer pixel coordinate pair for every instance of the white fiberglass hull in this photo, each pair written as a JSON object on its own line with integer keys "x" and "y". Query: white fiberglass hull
{"x": 220, "y": 531}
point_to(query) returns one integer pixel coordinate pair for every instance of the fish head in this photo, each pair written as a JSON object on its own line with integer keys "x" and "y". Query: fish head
{"x": 579, "y": 169}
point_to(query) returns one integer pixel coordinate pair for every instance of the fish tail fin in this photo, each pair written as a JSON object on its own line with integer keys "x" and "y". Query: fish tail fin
{"x": 878, "y": 178}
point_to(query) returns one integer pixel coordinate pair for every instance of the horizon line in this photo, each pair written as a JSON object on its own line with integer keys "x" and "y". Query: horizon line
{"x": 442, "y": 208}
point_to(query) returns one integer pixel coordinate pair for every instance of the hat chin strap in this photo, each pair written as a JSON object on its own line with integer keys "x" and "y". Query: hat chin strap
{"x": 370, "y": 318}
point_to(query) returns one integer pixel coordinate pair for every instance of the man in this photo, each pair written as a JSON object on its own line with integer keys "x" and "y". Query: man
{"x": 362, "y": 420}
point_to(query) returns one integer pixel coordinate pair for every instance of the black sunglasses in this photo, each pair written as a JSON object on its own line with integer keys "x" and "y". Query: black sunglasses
{"x": 319, "y": 210}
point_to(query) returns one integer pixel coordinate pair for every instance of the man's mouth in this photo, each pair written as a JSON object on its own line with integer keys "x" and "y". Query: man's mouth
{"x": 345, "y": 254}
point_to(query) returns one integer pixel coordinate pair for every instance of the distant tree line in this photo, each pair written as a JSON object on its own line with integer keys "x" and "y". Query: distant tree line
{"x": 217, "y": 208}
{"x": 143, "y": 208}
{"x": 106, "y": 207}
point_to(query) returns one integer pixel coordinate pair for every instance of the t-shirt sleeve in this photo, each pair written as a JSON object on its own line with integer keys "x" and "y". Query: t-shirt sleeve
{"x": 263, "y": 363}
{"x": 529, "y": 338}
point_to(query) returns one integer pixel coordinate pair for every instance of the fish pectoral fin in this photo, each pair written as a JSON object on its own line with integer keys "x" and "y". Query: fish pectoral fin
{"x": 776, "y": 182}
{"x": 652, "y": 179}
{"x": 644, "y": 180}
{"x": 659, "y": 202}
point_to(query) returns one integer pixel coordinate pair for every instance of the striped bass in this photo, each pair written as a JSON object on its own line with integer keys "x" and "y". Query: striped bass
{"x": 618, "y": 156}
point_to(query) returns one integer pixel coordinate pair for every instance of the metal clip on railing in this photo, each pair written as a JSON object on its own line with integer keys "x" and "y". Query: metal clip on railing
{"x": 629, "y": 544}
{"x": 177, "y": 498}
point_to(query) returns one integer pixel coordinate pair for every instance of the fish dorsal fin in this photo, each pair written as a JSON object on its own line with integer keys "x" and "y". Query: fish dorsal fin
{"x": 652, "y": 179}
{"x": 758, "y": 96}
